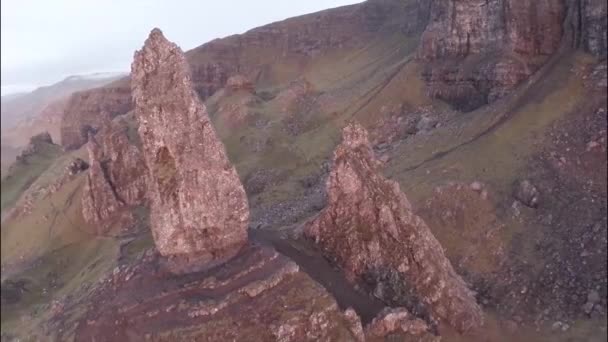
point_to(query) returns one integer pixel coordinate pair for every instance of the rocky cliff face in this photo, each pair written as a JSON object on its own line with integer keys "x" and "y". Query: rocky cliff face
{"x": 369, "y": 229}
{"x": 87, "y": 110}
{"x": 474, "y": 51}
{"x": 198, "y": 205}
{"x": 116, "y": 180}
{"x": 296, "y": 41}
{"x": 477, "y": 51}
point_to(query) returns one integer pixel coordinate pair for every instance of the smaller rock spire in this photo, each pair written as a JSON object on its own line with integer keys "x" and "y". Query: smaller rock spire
{"x": 369, "y": 229}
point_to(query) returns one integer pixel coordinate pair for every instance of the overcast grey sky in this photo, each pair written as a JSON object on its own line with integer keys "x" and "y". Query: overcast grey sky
{"x": 43, "y": 41}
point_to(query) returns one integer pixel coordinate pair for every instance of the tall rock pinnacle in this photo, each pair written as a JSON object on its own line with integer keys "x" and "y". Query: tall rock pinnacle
{"x": 198, "y": 205}
{"x": 369, "y": 229}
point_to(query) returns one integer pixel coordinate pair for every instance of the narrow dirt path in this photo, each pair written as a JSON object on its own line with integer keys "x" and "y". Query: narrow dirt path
{"x": 318, "y": 268}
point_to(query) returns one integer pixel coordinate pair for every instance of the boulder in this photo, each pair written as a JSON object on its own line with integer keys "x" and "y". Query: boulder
{"x": 526, "y": 193}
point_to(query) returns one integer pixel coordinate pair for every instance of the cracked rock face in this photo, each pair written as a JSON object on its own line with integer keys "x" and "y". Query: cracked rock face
{"x": 83, "y": 111}
{"x": 116, "y": 180}
{"x": 480, "y": 50}
{"x": 369, "y": 229}
{"x": 198, "y": 204}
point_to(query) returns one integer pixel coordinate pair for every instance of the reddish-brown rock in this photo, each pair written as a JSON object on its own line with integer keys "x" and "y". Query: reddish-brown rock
{"x": 479, "y": 50}
{"x": 260, "y": 295}
{"x": 370, "y": 230}
{"x": 87, "y": 110}
{"x": 99, "y": 199}
{"x": 116, "y": 181}
{"x": 198, "y": 205}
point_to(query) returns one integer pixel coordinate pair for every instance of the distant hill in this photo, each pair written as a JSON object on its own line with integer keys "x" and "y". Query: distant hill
{"x": 26, "y": 114}
{"x": 22, "y": 106}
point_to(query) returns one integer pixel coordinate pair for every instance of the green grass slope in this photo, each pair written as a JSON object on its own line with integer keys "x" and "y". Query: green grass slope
{"x": 23, "y": 173}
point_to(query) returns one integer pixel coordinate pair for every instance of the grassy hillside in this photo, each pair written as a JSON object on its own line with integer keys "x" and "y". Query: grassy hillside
{"x": 281, "y": 141}
{"x": 23, "y": 173}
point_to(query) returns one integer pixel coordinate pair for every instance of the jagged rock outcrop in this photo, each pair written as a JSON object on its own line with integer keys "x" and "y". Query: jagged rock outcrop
{"x": 99, "y": 199}
{"x": 87, "y": 110}
{"x": 116, "y": 180}
{"x": 477, "y": 51}
{"x": 369, "y": 229}
{"x": 37, "y": 144}
{"x": 198, "y": 205}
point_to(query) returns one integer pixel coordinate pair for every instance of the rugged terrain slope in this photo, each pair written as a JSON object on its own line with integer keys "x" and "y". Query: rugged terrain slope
{"x": 491, "y": 117}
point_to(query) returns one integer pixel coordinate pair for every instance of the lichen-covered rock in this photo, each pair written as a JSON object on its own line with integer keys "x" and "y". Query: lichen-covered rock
{"x": 370, "y": 230}
{"x": 198, "y": 204}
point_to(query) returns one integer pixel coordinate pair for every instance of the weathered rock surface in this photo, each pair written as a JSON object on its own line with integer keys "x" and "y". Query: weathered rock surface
{"x": 369, "y": 229}
{"x": 116, "y": 180}
{"x": 198, "y": 204}
{"x": 479, "y": 50}
{"x": 99, "y": 199}
{"x": 260, "y": 295}
{"x": 88, "y": 110}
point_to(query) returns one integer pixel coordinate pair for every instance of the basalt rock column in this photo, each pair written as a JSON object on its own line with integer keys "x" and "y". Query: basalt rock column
{"x": 198, "y": 207}
{"x": 369, "y": 229}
